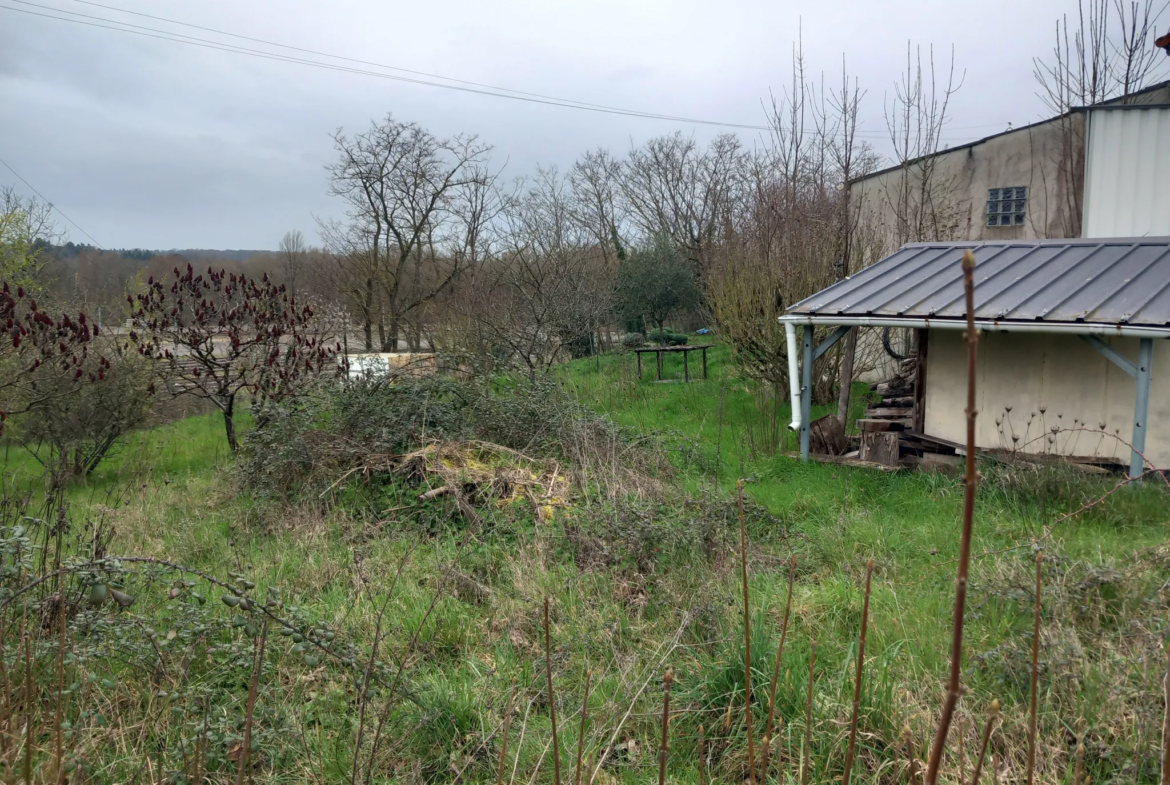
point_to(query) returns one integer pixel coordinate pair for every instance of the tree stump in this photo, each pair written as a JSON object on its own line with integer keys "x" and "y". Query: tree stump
{"x": 879, "y": 447}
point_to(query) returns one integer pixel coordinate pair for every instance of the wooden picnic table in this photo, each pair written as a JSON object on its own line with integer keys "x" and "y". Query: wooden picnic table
{"x": 686, "y": 353}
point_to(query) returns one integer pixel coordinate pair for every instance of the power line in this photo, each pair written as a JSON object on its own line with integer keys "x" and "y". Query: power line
{"x": 383, "y": 65}
{"x": 340, "y": 57}
{"x": 461, "y": 85}
{"x": 165, "y": 35}
{"x": 50, "y": 203}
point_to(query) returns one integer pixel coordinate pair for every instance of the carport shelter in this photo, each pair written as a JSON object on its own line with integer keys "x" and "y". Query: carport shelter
{"x": 1072, "y": 339}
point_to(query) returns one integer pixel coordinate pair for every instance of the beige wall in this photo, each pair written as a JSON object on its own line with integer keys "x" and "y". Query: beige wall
{"x": 1076, "y": 386}
{"x": 1048, "y": 158}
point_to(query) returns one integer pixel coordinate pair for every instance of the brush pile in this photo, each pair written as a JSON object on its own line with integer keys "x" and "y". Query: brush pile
{"x": 437, "y": 437}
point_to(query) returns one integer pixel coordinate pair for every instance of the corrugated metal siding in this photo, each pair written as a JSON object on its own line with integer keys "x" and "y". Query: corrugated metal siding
{"x": 1127, "y": 173}
{"x": 1116, "y": 281}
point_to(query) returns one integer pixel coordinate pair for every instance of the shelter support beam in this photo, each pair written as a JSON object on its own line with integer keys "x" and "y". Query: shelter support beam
{"x": 1141, "y": 408}
{"x": 806, "y": 390}
{"x": 811, "y": 355}
{"x": 1120, "y": 360}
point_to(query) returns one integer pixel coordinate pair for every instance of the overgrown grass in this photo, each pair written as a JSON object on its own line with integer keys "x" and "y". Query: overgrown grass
{"x": 639, "y": 576}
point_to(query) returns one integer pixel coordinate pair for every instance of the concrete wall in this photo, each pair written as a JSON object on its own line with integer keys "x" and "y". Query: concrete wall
{"x": 1048, "y": 158}
{"x": 1073, "y": 383}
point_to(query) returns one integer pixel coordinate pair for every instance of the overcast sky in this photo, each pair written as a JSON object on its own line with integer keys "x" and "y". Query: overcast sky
{"x": 156, "y": 144}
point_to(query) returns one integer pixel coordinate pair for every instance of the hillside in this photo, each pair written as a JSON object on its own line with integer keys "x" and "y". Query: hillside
{"x": 431, "y": 604}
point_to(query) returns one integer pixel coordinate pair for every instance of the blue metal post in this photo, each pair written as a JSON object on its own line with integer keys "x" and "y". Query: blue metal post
{"x": 806, "y": 390}
{"x": 1141, "y": 408}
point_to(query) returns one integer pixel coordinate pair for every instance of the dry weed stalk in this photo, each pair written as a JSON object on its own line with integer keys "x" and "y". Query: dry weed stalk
{"x": 857, "y": 679}
{"x": 1166, "y": 723}
{"x": 1035, "y": 676}
{"x": 812, "y": 662}
{"x": 702, "y": 763}
{"x": 249, "y": 712}
{"x": 584, "y": 717}
{"x": 552, "y": 703}
{"x": 962, "y": 757}
{"x": 971, "y": 480}
{"x": 992, "y": 714}
{"x": 59, "y": 717}
{"x": 507, "y": 727}
{"x": 776, "y": 669}
{"x": 664, "y": 749}
{"x": 747, "y": 638}
{"x": 369, "y": 669}
{"x": 1080, "y": 770}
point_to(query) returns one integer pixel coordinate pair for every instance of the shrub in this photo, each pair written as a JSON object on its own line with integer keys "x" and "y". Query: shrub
{"x": 81, "y": 424}
{"x": 633, "y": 340}
{"x": 668, "y": 338}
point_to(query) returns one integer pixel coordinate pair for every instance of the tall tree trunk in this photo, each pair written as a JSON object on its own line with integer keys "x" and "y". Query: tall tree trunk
{"x": 846, "y": 378}
{"x": 390, "y": 342}
{"x": 368, "y": 315}
{"x": 229, "y": 422}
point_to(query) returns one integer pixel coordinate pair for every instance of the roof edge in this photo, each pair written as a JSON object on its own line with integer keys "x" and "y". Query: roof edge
{"x": 989, "y": 325}
{"x": 1113, "y": 103}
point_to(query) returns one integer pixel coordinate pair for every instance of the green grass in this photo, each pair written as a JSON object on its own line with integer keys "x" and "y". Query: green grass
{"x": 622, "y": 574}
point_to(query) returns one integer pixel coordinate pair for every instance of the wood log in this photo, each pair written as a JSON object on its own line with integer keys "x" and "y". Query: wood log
{"x": 901, "y": 400}
{"x": 827, "y": 436}
{"x": 434, "y": 493}
{"x": 890, "y": 412}
{"x": 877, "y": 425}
{"x": 879, "y": 447}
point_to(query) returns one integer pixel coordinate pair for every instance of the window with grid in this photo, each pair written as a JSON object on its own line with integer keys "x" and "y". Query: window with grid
{"x": 1007, "y": 206}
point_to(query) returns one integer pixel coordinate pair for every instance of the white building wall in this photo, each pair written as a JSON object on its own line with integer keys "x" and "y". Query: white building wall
{"x": 1047, "y": 381}
{"x": 1126, "y": 193}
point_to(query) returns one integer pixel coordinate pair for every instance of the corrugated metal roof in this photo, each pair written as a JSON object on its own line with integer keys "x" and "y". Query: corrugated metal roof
{"x": 1077, "y": 281}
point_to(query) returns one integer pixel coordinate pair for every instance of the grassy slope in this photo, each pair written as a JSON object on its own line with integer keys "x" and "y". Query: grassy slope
{"x": 909, "y": 523}
{"x": 167, "y": 494}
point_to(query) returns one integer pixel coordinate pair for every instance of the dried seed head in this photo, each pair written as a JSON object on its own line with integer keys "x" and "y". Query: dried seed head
{"x": 994, "y": 706}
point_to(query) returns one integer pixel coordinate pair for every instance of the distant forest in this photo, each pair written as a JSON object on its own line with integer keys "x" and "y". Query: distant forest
{"x": 71, "y": 250}
{"x": 93, "y": 279}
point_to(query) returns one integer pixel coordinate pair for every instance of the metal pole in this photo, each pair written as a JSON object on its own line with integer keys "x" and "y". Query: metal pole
{"x": 1141, "y": 408}
{"x": 806, "y": 391}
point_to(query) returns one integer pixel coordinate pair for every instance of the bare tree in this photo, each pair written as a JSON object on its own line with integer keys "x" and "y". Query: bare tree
{"x": 677, "y": 188}
{"x": 921, "y": 198}
{"x": 293, "y": 254}
{"x": 404, "y": 188}
{"x": 546, "y": 292}
{"x": 794, "y": 232}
